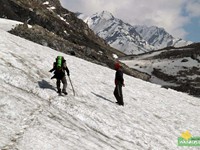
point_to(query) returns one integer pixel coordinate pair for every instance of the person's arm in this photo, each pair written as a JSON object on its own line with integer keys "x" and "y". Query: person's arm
{"x": 53, "y": 68}
{"x": 122, "y": 79}
{"x": 66, "y": 68}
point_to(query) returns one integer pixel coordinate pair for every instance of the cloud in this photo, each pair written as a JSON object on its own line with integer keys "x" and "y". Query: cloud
{"x": 193, "y": 8}
{"x": 163, "y": 13}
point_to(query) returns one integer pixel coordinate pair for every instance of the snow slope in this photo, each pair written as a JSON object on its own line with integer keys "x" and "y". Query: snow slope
{"x": 7, "y": 25}
{"x": 33, "y": 117}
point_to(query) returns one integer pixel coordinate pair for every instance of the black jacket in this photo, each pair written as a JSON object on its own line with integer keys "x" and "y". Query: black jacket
{"x": 119, "y": 77}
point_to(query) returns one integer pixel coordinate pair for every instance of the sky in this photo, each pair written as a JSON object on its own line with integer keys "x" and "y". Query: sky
{"x": 181, "y": 18}
{"x": 34, "y": 117}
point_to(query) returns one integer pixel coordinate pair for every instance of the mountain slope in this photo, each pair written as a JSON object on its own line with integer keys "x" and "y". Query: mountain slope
{"x": 159, "y": 38}
{"x": 60, "y": 29}
{"x": 177, "y": 68}
{"x": 118, "y": 34}
{"x": 34, "y": 117}
{"x": 127, "y": 38}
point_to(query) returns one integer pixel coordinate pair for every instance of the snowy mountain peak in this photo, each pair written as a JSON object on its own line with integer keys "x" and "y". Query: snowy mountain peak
{"x": 105, "y": 15}
{"x": 131, "y": 39}
{"x": 97, "y": 18}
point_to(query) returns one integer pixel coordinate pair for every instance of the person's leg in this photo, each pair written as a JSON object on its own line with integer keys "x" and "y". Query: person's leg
{"x": 121, "y": 102}
{"x": 116, "y": 94}
{"x": 64, "y": 81}
{"x": 58, "y": 85}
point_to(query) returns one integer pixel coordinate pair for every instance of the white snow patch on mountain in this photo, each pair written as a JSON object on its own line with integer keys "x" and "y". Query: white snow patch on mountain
{"x": 46, "y": 3}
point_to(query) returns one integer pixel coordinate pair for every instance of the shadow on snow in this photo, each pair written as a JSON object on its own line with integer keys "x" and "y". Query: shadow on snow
{"x": 45, "y": 85}
{"x": 97, "y": 95}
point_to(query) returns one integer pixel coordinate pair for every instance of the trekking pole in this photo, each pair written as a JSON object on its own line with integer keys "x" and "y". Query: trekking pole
{"x": 71, "y": 85}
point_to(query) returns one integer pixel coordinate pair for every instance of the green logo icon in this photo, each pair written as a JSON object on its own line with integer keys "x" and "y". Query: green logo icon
{"x": 187, "y": 139}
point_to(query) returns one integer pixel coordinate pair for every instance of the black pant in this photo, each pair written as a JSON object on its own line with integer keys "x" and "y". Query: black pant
{"x": 64, "y": 81}
{"x": 118, "y": 94}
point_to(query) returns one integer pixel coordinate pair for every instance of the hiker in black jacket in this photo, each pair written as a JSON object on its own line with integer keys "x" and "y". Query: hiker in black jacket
{"x": 119, "y": 82}
{"x": 59, "y": 68}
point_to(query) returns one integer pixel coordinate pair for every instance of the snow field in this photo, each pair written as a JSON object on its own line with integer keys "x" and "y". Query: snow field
{"x": 34, "y": 117}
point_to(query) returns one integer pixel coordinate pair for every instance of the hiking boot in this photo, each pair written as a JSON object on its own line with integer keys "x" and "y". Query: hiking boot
{"x": 121, "y": 104}
{"x": 59, "y": 92}
{"x": 65, "y": 93}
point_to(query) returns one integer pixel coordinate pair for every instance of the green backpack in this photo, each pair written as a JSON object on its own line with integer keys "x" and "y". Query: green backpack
{"x": 59, "y": 61}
